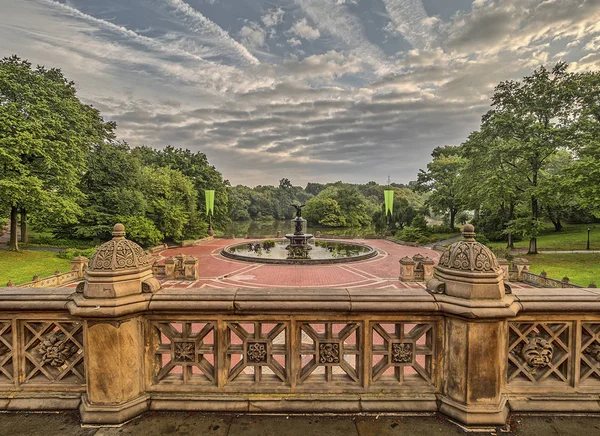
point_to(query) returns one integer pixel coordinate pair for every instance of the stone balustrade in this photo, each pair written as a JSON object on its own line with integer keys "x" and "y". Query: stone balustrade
{"x": 120, "y": 345}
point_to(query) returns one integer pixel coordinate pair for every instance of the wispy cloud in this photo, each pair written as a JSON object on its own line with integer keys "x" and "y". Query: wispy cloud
{"x": 410, "y": 19}
{"x": 199, "y": 23}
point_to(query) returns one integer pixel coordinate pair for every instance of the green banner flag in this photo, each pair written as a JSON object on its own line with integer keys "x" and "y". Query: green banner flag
{"x": 209, "y": 196}
{"x": 389, "y": 201}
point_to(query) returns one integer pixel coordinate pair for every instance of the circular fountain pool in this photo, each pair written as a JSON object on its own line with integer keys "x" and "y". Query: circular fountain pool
{"x": 316, "y": 252}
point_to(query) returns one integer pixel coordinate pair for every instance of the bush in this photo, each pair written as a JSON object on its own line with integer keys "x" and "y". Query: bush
{"x": 482, "y": 239}
{"x": 70, "y": 253}
{"x": 441, "y": 228}
{"x": 268, "y": 243}
{"x": 419, "y": 222}
{"x": 412, "y": 234}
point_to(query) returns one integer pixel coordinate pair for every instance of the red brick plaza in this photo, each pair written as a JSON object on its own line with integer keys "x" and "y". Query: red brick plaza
{"x": 215, "y": 271}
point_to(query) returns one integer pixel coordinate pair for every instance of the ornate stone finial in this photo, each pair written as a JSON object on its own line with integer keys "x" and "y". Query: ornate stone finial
{"x": 118, "y": 231}
{"x": 468, "y": 232}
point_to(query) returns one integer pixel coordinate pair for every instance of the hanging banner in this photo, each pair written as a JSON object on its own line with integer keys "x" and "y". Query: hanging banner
{"x": 389, "y": 201}
{"x": 209, "y": 196}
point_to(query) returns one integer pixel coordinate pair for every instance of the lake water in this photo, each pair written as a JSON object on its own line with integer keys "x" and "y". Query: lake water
{"x": 270, "y": 228}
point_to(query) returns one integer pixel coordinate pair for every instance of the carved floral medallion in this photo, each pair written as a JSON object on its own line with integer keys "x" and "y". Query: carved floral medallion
{"x": 257, "y": 352}
{"x": 402, "y": 352}
{"x": 329, "y": 352}
{"x": 537, "y": 353}
{"x": 184, "y": 352}
{"x": 56, "y": 349}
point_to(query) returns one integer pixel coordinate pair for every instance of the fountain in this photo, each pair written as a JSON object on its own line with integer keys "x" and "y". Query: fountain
{"x": 299, "y": 248}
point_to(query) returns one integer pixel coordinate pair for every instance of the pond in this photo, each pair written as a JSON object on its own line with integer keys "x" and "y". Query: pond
{"x": 270, "y": 228}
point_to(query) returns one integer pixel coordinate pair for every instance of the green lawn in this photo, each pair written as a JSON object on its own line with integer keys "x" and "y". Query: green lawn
{"x": 20, "y": 267}
{"x": 572, "y": 237}
{"x": 436, "y": 237}
{"x": 581, "y": 269}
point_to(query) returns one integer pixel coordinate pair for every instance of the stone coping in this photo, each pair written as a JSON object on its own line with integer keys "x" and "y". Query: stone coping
{"x": 278, "y": 300}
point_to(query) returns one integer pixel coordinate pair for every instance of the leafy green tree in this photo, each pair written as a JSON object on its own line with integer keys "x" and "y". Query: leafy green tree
{"x": 197, "y": 168}
{"x": 45, "y": 135}
{"x": 534, "y": 120}
{"x": 442, "y": 180}
{"x": 584, "y": 175}
{"x": 112, "y": 184}
{"x": 325, "y": 211}
{"x": 172, "y": 203}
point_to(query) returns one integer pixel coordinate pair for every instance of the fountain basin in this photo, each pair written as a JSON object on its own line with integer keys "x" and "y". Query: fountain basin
{"x": 321, "y": 251}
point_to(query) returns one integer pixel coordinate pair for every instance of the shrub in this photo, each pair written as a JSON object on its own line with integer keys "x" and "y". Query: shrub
{"x": 70, "y": 253}
{"x": 268, "y": 243}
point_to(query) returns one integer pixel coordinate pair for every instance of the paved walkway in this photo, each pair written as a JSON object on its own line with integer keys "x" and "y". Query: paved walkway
{"x": 197, "y": 424}
{"x": 216, "y": 271}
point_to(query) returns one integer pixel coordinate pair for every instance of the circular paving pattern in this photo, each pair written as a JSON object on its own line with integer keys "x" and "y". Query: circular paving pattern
{"x": 216, "y": 271}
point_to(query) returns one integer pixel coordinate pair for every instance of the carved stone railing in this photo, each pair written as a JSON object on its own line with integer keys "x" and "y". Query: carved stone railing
{"x": 78, "y": 266}
{"x": 298, "y": 350}
{"x": 543, "y": 281}
{"x": 42, "y": 357}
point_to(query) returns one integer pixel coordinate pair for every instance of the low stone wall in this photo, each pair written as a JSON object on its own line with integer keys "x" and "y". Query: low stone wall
{"x": 79, "y": 265}
{"x": 543, "y": 281}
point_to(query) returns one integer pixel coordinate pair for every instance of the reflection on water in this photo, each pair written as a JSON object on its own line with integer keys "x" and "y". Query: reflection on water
{"x": 270, "y": 228}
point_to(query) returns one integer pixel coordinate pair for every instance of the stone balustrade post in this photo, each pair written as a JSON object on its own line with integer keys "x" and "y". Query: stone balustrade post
{"x": 191, "y": 267}
{"x": 428, "y": 268}
{"x": 115, "y": 292}
{"x": 79, "y": 264}
{"x": 170, "y": 268}
{"x": 504, "y": 266}
{"x": 407, "y": 269}
{"x": 469, "y": 287}
{"x": 522, "y": 265}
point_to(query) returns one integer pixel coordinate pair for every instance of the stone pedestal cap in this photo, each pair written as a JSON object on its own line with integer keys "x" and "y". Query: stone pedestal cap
{"x": 470, "y": 270}
{"x": 119, "y": 268}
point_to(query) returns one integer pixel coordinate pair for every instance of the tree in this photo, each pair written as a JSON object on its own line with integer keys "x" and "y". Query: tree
{"x": 172, "y": 203}
{"x": 533, "y": 118}
{"x": 195, "y": 166}
{"x": 441, "y": 179}
{"x": 45, "y": 134}
{"x": 584, "y": 175}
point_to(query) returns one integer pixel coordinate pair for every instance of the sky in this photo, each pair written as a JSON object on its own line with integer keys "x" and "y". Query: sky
{"x": 311, "y": 90}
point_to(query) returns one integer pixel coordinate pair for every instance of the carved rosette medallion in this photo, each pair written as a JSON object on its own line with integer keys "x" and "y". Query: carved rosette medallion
{"x": 184, "y": 352}
{"x": 329, "y": 352}
{"x": 56, "y": 349}
{"x": 537, "y": 353}
{"x": 402, "y": 352}
{"x": 257, "y": 352}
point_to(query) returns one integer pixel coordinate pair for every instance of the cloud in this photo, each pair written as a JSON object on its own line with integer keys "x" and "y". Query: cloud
{"x": 273, "y": 17}
{"x": 252, "y": 35}
{"x": 304, "y": 30}
{"x": 199, "y": 23}
{"x": 294, "y": 42}
{"x": 410, "y": 20}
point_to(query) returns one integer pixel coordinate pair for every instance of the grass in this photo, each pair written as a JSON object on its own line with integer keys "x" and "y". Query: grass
{"x": 47, "y": 239}
{"x": 581, "y": 269}
{"x": 572, "y": 237}
{"x": 436, "y": 237}
{"x": 21, "y": 266}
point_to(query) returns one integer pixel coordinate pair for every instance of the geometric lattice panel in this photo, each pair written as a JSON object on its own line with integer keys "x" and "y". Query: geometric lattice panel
{"x": 402, "y": 353}
{"x": 330, "y": 352}
{"x": 257, "y": 352}
{"x": 590, "y": 353}
{"x": 539, "y": 352}
{"x": 184, "y": 352}
{"x": 6, "y": 352}
{"x": 53, "y": 352}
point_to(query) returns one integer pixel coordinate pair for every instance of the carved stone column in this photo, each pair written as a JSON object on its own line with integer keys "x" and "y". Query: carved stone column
{"x": 407, "y": 269}
{"x": 111, "y": 300}
{"x": 469, "y": 287}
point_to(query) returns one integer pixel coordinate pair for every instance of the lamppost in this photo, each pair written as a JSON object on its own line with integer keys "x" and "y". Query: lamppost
{"x": 588, "y": 241}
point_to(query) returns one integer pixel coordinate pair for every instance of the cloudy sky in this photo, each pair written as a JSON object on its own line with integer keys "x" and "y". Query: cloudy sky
{"x": 312, "y": 90}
